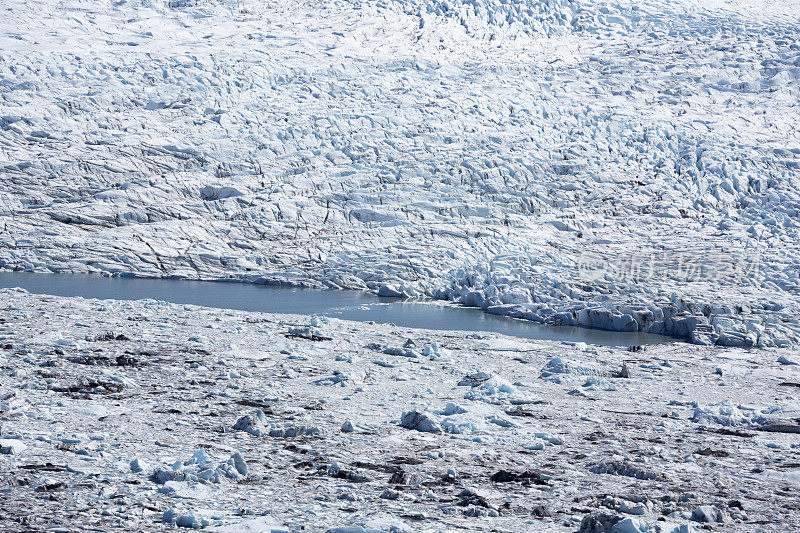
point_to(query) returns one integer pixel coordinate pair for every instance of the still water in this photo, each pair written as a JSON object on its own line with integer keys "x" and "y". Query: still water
{"x": 348, "y": 305}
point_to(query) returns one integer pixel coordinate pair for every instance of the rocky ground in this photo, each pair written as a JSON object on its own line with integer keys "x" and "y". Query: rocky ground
{"x": 144, "y": 415}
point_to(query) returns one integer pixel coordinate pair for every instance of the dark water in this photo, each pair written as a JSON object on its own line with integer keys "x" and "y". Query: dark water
{"x": 349, "y": 305}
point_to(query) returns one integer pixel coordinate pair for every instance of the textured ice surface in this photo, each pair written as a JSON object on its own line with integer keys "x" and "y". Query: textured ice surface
{"x": 628, "y": 164}
{"x": 673, "y": 444}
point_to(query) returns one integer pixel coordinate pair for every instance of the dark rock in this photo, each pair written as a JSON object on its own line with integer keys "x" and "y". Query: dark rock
{"x": 306, "y": 333}
{"x": 126, "y": 360}
{"x": 90, "y": 360}
{"x": 419, "y": 421}
{"x": 51, "y": 486}
{"x": 317, "y": 405}
{"x": 92, "y": 386}
{"x": 468, "y": 497}
{"x": 540, "y": 511}
{"x": 522, "y": 412}
{"x": 110, "y": 336}
{"x": 339, "y": 473}
{"x": 504, "y": 476}
{"x": 713, "y": 453}
{"x": 389, "y": 494}
{"x": 473, "y": 380}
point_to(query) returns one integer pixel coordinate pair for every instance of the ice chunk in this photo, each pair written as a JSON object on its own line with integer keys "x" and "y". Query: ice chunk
{"x": 137, "y": 465}
{"x": 683, "y": 528}
{"x": 724, "y": 414}
{"x": 629, "y": 525}
{"x": 199, "y": 457}
{"x": 433, "y": 351}
{"x": 262, "y": 524}
{"x": 379, "y": 523}
{"x": 253, "y": 424}
{"x": 622, "y": 468}
{"x": 419, "y": 421}
{"x": 490, "y": 389}
{"x": 708, "y": 514}
{"x": 290, "y": 432}
{"x": 188, "y": 519}
{"x": 239, "y": 464}
{"x": 201, "y": 467}
{"x": 12, "y": 446}
{"x": 452, "y": 409}
{"x": 555, "y": 366}
{"x": 502, "y": 422}
{"x": 187, "y": 490}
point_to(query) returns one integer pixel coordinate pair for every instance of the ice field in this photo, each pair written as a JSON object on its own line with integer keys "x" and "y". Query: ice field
{"x": 615, "y": 165}
{"x": 144, "y": 415}
{"x": 629, "y": 166}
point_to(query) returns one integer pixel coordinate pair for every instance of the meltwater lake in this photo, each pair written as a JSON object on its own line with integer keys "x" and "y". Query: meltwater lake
{"x": 347, "y": 305}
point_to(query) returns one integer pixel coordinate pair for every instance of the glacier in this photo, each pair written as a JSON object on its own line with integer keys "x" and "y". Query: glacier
{"x": 624, "y": 165}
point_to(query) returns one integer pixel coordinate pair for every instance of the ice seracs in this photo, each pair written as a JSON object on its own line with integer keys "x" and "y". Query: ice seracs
{"x": 202, "y": 468}
{"x": 574, "y": 153}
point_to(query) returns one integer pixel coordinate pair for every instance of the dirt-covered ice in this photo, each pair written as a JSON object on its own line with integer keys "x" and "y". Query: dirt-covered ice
{"x": 144, "y": 415}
